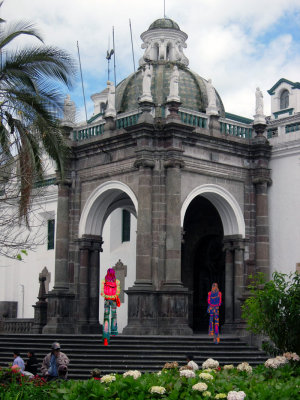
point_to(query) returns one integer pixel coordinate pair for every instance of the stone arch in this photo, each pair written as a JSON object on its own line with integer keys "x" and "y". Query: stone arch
{"x": 225, "y": 203}
{"x": 102, "y": 202}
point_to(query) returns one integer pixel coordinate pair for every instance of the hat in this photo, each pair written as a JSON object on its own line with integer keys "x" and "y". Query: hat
{"x": 55, "y": 346}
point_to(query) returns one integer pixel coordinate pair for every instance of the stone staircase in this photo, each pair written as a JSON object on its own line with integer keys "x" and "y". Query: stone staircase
{"x": 145, "y": 353}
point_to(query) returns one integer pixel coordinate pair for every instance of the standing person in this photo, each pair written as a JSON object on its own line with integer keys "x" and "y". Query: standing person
{"x": 31, "y": 364}
{"x": 53, "y": 361}
{"x": 18, "y": 360}
{"x": 214, "y": 301}
{"x": 110, "y": 290}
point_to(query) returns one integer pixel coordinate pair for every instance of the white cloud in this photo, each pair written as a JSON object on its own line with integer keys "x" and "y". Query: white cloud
{"x": 226, "y": 41}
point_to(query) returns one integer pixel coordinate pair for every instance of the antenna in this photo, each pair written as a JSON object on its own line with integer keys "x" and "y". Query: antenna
{"x": 136, "y": 88}
{"x": 82, "y": 81}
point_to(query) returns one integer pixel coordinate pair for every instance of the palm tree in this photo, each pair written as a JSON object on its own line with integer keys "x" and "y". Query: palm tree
{"x": 31, "y": 101}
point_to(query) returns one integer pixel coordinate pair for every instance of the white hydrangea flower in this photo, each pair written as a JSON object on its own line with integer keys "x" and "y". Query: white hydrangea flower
{"x": 228, "y": 366}
{"x": 108, "y": 378}
{"x": 244, "y": 367}
{"x": 201, "y": 387}
{"x": 210, "y": 363}
{"x": 220, "y": 396}
{"x": 187, "y": 373}
{"x": 205, "y": 376}
{"x": 157, "y": 389}
{"x": 276, "y": 362}
{"x": 207, "y": 393}
{"x": 158, "y": 373}
{"x": 134, "y": 373}
{"x": 233, "y": 395}
{"x": 209, "y": 370}
{"x": 291, "y": 356}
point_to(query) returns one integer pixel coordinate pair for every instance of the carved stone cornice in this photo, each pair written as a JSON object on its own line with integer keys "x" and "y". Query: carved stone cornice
{"x": 174, "y": 163}
{"x": 260, "y": 176}
{"x": 231, "y": 243}
{"x": 91, "y": 242}
{"x": 144, "y": 163}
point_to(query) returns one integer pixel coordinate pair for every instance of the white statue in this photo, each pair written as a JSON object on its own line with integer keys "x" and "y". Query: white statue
{"x": 111, "y": 95}
{"x": 212, "y": 108}
{"x": 259, "y": 106}
{"x": 69, "y": 110}
{"x": 147, "y": 78}
{"x": 174, "y": 80}
{"x": 212, "y": 100}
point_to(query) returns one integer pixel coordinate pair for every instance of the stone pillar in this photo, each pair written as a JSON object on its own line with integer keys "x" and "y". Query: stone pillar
{"x": 60, "y": 300}
{"x": 173, "y": 225}
{"x": 89, "y": 284}
{"x": 262, "y": 226}
{"x": 144, "y": 224}
{"x": 40, "y": 308}
{"x": 62, "y": 238}
{"x": 234, "y": 281}
{"x": 94, "y": 285}
{"x": 261, "y": 179}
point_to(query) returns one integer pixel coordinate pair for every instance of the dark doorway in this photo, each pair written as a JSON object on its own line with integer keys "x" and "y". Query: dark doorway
{"x": 203, "y": 259}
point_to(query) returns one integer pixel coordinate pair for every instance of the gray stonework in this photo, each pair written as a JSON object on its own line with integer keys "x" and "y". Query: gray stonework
{"x": 162, "y": 161}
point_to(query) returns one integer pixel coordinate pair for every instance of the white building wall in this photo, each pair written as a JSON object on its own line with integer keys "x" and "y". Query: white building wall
{"x": 113, "y": 251}
{"x": 16, "y": 276}
{"x": 284, "y": 195}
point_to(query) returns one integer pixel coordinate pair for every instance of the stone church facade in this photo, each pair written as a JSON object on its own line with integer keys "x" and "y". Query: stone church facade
{"x": 205, "y": 186}
{"x": 196, "y": 180}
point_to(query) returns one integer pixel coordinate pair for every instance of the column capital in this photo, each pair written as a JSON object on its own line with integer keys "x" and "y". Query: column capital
{"x": 174, "y": 163}
{"x": 261, "y": 175}
{"x": 144, "y": 163}
{"x": 234, "y": 242}
{"x": 90, "y": 242}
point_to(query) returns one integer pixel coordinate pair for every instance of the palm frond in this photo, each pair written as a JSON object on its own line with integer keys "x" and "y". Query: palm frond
{"x": 18, "y": 28}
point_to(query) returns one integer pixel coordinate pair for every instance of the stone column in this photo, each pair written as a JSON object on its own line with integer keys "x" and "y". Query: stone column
{"x": 60, "y": 300}
{"x": 62, "y": 238}
{"x": 40, "y": 308}
{"x": 234, "y": 281}
{"x": 144, "y": 224}
{"x": 261, "y": 179}
{"x": 83, "y": 302}
{"x": 94, "y": 284}
{"x": 173, "y": 226}
{"x": 262, "y": 226}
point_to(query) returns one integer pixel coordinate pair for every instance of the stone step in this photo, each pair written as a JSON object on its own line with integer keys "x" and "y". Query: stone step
{"x": 145, "y": 353}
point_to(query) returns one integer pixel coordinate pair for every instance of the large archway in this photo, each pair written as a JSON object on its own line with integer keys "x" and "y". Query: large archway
{"x": 209, "y": 214}
{"x": 101, "y": 221}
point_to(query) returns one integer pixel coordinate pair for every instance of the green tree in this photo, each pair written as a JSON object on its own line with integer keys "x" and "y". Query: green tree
{"x": 32, "y": 80}
{"x": 273, "y": 309}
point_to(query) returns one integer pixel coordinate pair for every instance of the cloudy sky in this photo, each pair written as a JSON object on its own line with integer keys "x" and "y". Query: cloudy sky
{"x": 239, "y": 44}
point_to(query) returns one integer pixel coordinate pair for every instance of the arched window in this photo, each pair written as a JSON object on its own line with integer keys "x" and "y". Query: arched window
{"x": 284, "y": 99}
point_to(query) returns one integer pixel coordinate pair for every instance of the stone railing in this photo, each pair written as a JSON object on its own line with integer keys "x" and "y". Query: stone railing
{"x": 16, "y": 325}
{"x": 88, "y": 132}
{"x": 125, "y": 120}
{"x": 193, "y": 118}
{"x": 234, "y": 129}
{"x": 292, "y": 127}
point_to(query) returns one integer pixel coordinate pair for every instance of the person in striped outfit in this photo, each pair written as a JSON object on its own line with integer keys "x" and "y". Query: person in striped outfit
{"x": 110, "y": 290}
{"x": 214, "y": 301}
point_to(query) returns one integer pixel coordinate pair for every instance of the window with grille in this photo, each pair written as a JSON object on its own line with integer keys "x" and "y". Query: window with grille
{"x": 125, "y": 226}
{"x": 284, "y": 99}
{"x": 51, "y": 232}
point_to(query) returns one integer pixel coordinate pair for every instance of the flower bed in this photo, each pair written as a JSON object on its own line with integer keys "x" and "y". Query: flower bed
{"x": 232, "y": 383}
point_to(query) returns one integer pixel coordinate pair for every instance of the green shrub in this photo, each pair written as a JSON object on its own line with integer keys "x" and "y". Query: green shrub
{"x": 273, "y": 309}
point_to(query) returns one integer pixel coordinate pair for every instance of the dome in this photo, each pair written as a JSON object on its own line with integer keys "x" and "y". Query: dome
{"x": 164, "y": 23}
{"x": 192, "y": 89}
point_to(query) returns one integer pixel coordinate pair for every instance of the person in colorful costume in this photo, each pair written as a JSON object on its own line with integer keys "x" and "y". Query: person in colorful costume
{"x": 110, "y": 290}
{"x": 214, "y": 301}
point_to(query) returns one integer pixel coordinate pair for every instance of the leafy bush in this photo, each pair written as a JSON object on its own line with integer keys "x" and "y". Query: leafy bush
{"x": 262, "y": 384}
{"x": 273, "y": 309}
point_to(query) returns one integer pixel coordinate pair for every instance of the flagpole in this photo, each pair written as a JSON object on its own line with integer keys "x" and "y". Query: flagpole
{"x": 133, "y": 60}
{"x": 82, "y": 81}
